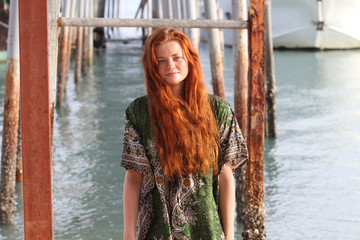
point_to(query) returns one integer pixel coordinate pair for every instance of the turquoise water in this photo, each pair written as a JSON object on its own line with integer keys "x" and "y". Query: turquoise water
{"x": 312, "y": 168}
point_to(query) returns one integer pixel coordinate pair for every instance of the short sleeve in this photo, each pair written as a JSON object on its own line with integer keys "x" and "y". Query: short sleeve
{"x": 232, "y": 144}
{"x": 134, "y": 156}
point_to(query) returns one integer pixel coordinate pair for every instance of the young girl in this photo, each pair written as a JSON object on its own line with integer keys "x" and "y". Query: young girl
{"x": 182, "y": 146}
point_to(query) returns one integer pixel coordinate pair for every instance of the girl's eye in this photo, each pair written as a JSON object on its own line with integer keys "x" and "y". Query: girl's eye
{"x": 177, "y": 58}
{"x": 161, "y": 61}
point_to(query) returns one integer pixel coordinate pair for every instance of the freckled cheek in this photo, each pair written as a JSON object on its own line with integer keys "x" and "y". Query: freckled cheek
{"x": 183, "y": 66}
{"x": 160, "y": 71}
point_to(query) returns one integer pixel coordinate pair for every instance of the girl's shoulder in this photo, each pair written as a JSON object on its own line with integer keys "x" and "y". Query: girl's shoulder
{"x": 138, "y": 111}
{"x": 221, "y": 107}
{"x": 139, "y": 103}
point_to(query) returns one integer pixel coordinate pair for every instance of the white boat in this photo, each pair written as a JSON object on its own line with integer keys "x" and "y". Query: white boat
{"x": 317, "y": 24}
{"x": 328, "y": 24}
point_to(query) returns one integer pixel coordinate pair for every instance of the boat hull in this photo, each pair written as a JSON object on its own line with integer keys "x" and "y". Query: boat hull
{"x": 308, "y": 24}
{"x": 329, "y": 24}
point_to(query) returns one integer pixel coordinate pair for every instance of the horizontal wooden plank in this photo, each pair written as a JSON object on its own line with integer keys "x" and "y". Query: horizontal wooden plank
{"x": 152, "y": 23}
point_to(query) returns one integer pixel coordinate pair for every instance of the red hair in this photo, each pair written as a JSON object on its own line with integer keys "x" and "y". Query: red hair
{"x": 185, "y": 130}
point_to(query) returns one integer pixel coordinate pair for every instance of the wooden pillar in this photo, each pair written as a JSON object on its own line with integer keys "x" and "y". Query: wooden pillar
{"x": 221, "y": 34}
{"x": 35, "y": 116}
{"x": 100, "y": 8}
{"x": 79, "y": 43}
{"x": 53, "y": 15}
{"x": 183, "y": 9}
{"x": 91, "y": 35}
{"x": 167, "y": 9}
{"x": 19, "y": 168}
{"x": 72, "y": 37}
{"x": 241, "y": 65}
{"x": 10, "y": 121}
{"x": 217, "y": 68}
{"x": 177, "y": 9}
{"x": 116, "y": 14}
{"x": 193, "y": 32}
{"x": 157, "y": 9}
{"x": 107, "y": 14}
{"x": 99, "y": 32}
{"x": 85, "y": 48}
{"x": 254, "y": 222}
{"x": 149, "y": 14}
{"x": 270, "y": 87}
{"x": 183, "y": 13}
{"x": 4, "y": 26}
{"x": 64, "y": 51}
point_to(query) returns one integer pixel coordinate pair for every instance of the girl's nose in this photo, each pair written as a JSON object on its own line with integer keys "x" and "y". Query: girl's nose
{"x": 171, "y": 64}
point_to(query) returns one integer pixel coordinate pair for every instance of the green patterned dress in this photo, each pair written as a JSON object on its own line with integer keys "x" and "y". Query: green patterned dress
{"x": 187, "y": 207}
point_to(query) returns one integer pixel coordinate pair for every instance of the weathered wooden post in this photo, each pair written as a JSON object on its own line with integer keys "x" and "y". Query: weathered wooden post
{"x": 63, "y": 55}
{"x": 177, "y": 9}
{"x": 217, "y": 68}
{"x": 53, "y": 15}
{"x": 241, "y": 65}
{"x": 72, "y": 37}
{"x": 183, "y": 13}
{"x": 221, "y": 33}
{"x": 91, "y": 35}
{"x": 183, "y": 9}
{"x": 10, "y": 122}
{"x": 99, "y": 32}
{"x": 19, "y": 170}
{"x": 106, "y": 15}
{"x": 157, "y": 9}
{"x": 270, "y": 87}
{"x": 35, "y": 116}
{"x": 149, "y": 14}
{"x": 79, "y": 43}
{"x": 254, "y": 222}
{"x": 4, "y": 26}
{"x": 85, "y": 48}
{"x": 168, "y": 9}
{"x": 193, "y": 32}
{"x": 116, "y": 14}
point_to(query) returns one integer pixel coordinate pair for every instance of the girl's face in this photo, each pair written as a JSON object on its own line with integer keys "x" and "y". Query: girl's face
{"x": 173, "y": 66}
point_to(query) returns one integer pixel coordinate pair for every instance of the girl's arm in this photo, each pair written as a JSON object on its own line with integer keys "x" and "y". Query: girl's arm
{"x": 227, "y": 200}
{"x": 131, "y": 194}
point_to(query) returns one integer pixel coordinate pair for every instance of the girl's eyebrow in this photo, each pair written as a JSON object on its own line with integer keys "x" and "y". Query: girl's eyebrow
{"x": 174, "y": 55}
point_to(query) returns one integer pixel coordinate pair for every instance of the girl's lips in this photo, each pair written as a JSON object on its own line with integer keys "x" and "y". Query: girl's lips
{"x": 172, "y": 73}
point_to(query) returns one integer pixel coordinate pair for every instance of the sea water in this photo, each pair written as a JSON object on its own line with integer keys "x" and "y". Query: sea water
{"x": 312, "y": 167}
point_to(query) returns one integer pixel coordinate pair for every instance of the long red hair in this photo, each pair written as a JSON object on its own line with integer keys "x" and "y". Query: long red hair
{"x": 185, "y": 130}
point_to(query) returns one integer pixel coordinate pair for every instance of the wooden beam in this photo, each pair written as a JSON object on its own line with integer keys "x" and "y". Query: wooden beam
{"x": 53, "y": 36}
{"x": 216, "y": 60}
{"x": 254, "y": 222}
{"x": 152, "y": 23}
{"x": 241, "y": 67}
{"x": 35, "y": 117}
{"x": 193, "y": 33}
{"x": 270, "y": 87}
{"x": 10, "y": 120}
{"x": 64, "y": 55}
{"x": 79, "y": 43}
